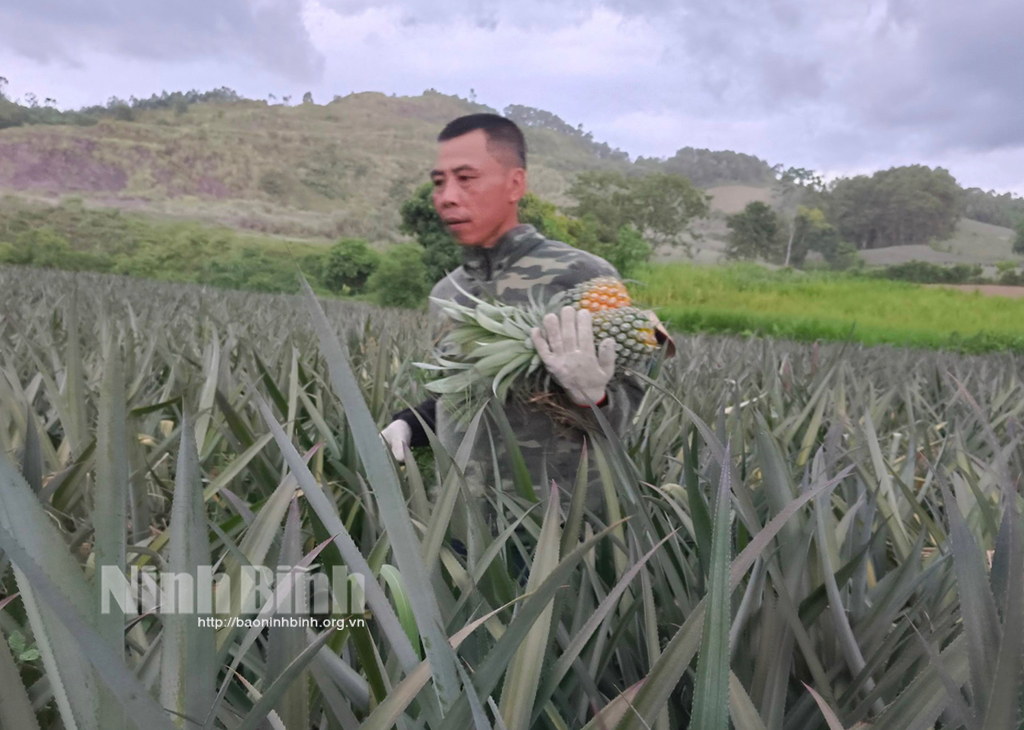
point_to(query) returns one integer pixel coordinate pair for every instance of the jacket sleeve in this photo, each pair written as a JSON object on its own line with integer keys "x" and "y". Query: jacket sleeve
{"x": 427, "y": 410}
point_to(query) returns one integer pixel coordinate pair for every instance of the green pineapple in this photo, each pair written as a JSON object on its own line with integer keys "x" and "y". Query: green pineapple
{"x": 632, "y": 331}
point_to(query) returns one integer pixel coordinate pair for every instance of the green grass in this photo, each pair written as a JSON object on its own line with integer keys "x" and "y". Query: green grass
{"x": 747, "y": 299}
{"x": 75, "y": 237}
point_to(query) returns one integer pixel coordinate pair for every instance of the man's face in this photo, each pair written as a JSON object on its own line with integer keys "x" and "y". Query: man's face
{"x": 475, "y": 193}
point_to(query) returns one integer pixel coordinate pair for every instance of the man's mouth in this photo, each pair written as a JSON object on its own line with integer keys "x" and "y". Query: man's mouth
{"x": 456, "y": 222}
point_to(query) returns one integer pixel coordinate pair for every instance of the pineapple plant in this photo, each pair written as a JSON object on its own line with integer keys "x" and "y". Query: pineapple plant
{"x": 928, "y": 610}
{"x": 494, "y": 350}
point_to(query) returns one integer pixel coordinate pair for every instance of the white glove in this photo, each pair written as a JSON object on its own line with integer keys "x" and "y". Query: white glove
{"x": 569, "y": 355}
{"x": 397, "y": 436}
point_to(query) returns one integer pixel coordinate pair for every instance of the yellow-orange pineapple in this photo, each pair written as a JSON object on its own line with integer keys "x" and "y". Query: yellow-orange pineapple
{"x": 600, "y": 294}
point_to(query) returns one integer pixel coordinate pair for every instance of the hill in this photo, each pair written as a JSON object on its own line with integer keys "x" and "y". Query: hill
{"x": 972, "y": 242}
{"x": 308, "y": 171}
{"x": 320, "y": 172}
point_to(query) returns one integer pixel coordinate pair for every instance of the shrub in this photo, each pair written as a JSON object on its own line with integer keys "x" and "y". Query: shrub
{"x": 922, "y": 272}
{"x": 250, "y": 268}
{"x": 348, "y": 265}
{"x": 846, "y": 257}
{"x": 274, "y": 183}
{"x": 1012, "y": 278}
{"x": 401, "y": 278}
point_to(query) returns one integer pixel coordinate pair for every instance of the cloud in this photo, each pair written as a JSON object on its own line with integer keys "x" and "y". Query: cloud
{"x": 837, "y": 86}
{"x": 269, "y": 32}
{"x": 950, "y": 70}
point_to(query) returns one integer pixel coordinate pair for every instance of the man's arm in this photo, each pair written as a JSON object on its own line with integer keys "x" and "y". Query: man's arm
{"x": 427, "y": 411}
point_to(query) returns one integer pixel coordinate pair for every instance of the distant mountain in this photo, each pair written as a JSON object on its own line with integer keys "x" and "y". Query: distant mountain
{"x": 308, "y": 170}
{"x": 323, "y": 171}
{"x": 709, "y": 168}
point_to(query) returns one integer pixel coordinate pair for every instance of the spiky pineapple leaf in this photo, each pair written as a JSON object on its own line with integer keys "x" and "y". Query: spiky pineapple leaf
{"x": 25, "y": 524}
{"x": 78, "y": 633}
{"x": 711, "y": 694}
{"x": 394, "y": 513}
{"x": 523, "y": 677}
{"x": 15, "y": 706}
{"x": 188, "y": 659}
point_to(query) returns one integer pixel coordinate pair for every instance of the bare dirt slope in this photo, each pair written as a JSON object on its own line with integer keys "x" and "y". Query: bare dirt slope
{"x": 729, "y": 199}
{"x": 972, "y": 243}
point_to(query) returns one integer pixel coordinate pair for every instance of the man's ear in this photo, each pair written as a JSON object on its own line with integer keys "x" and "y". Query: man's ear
{"x": 517, "y": 184}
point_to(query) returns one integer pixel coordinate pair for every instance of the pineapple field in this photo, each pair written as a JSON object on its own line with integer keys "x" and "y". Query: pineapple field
{"x": 794, "y": 536}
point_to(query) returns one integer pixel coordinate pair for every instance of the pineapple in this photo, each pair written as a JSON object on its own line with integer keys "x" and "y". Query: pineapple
{"x": 600, "y": 294}
{"x": 494, "y": 344}
{"x": 632, "y": 330}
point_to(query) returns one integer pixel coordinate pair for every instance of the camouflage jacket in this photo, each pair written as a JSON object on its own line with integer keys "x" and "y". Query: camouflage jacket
{"x": 522, "y": 261}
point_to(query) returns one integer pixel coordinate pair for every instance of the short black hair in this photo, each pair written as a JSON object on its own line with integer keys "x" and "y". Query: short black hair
{"x": 499, "y": 130}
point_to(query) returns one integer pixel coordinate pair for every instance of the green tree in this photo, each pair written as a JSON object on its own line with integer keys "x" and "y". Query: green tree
{"x": 895, "y": 207}
{"x": 793, "y": 186}
{"x": 401, "y": 278}
{"x": 708, "y": 168}
{"x": 660, "y": 206}
{"x": 629, "y": 251}
{"x": 545, "y": 217}
{"x": 812, "y": 232}
{"x": 349, "y": 264}
{"x": 307, "y": 98}
{"x": 625, "y": 250}
{"x": 756, "y": 232}
{"x": 1004, "y": 209}
{"x": 1018, "y": 241}
{"x": 11, "y": 114}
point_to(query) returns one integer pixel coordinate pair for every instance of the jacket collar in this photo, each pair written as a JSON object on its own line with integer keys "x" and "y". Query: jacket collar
{"x": 485, "y": 263}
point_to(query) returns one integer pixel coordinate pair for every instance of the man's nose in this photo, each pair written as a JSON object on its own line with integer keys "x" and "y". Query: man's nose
{"x": 446, "y": 195}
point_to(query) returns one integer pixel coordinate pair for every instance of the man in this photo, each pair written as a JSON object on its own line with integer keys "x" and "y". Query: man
{"x": 479, "y": 178}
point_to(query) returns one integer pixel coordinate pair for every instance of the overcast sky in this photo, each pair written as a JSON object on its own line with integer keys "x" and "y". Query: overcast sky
{"x": 843, "y": 87}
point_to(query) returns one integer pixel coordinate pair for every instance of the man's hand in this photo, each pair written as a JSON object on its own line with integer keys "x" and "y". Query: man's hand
{"x": 568, "y": 353}
{"x": 397, "y": 436}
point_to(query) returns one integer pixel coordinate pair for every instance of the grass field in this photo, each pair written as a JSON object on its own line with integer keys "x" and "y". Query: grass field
{"x": 809, "y": 306}
{"x": 75, "y": 236}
